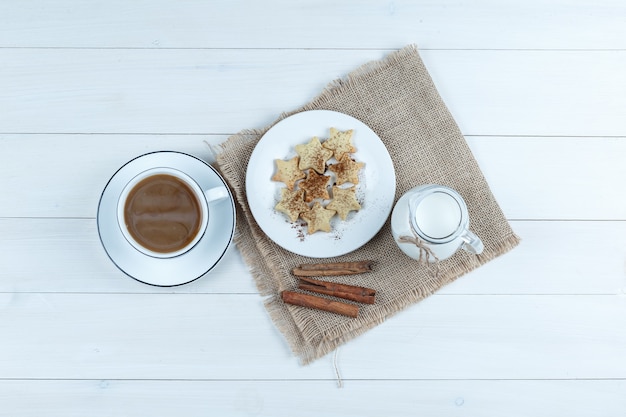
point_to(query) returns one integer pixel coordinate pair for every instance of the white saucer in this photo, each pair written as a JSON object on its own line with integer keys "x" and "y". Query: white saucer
{"x": 180, "y": 269}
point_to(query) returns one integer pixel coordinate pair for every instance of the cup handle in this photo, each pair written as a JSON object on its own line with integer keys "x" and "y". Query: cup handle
{"x": 472, "y": 243}
{"x": 216, "y": 193}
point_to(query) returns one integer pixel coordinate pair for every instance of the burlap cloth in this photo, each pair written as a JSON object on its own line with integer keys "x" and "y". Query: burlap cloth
{"x": 396, "y": 98}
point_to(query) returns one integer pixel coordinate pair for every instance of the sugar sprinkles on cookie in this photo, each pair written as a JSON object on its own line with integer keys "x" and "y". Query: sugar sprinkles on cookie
{"x": 318, "y": 166}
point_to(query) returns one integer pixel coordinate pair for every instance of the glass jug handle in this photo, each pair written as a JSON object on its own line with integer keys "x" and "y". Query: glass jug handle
{"x": 472, "y": 243}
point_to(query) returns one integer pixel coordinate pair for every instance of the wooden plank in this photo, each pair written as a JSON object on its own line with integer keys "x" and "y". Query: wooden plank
{"x": 532, "y": 178}
{"x": 575, "y": 93}
{"x": 532, "y": 24}
{"x": 65, "y": 255}
{"x": 71, "y": 171}
{"x": 177, "y": 336}
{"x": 554, "y": 178}
{"x": 579, "y": 398}
{"x": 555, "y": 258}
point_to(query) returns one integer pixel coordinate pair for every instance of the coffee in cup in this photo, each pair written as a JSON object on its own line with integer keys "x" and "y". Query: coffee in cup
{"x": 163, "y": 212}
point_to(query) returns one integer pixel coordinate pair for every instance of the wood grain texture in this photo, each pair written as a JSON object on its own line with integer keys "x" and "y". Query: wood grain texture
{"x": 230, "y": 337}
{"x": 555, "y": 257}
{"x": 439, "y": 398}
{"x": 531, "y": 177}
{"x": 530, "y": 24}
{"x": 562, "y": 93}
{"x": 536, "y": 87}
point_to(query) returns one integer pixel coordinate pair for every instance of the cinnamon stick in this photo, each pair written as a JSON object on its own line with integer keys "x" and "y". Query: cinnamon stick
{"x": 332, "y": 269}
{"x": 349, "y": 292}
{"x": 312, "y": 301}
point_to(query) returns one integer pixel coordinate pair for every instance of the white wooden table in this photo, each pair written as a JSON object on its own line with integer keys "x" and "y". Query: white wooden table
{"x": 539, "y": 90}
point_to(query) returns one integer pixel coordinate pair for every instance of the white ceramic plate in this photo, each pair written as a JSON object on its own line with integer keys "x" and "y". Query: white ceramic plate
{"x": 180, "y": 269}
{"x": 375, "y": 191}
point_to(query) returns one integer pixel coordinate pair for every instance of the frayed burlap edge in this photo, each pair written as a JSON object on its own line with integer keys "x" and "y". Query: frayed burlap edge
{"x": 337, "y": 336}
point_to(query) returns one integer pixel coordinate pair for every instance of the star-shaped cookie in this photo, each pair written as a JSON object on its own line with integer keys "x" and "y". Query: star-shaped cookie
{"x": 347, "y": 170}
{"x": 313, "y": 155}
{"x": 292, "y": 203}
{"x": 315, "y": 186}
{"x": 318, "y": 218}
{"x": 344, "y": 201}
{"x": 340, "y": 142}
{"x": 288, "y": 172}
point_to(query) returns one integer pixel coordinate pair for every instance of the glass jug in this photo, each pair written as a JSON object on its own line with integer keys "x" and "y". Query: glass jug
{"x": 433, "y": 220}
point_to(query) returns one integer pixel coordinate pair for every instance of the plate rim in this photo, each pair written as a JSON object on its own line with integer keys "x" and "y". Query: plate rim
{"x": 262, "y": 143}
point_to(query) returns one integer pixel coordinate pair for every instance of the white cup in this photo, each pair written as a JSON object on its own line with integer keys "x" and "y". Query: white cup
{"x": 203, "y": 199}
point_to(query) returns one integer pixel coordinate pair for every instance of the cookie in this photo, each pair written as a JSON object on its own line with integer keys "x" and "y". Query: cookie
{"x": 347, "y": 170}
{"x": 292, "y": 203}
{"x": 313, "y": 155}
{"x": 344, "y": 201}
{"x": 315, "y": 186}
{"x": 288, "y": 172}
{"x": 340, "y": 142}
{"x": 318, "y": 218}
